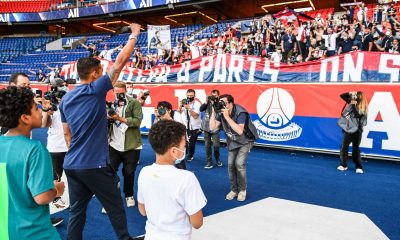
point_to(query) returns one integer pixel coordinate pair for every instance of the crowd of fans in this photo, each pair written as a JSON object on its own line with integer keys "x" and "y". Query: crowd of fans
{"x": 292, "y": 40}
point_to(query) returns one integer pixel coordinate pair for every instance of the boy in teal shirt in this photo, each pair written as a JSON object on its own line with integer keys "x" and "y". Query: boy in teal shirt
{"x": 28, "y": 168}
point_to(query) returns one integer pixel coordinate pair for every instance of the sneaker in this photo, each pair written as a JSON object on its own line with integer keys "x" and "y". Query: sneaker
{"x": 56, "y": 221}
{"x": 103, "y": 211}
{"x": 231, "y": 195}
{"x": 359, "y": 170}
{"x": 219, "y": 163}
{"x": 190, "y": 159}
{"x": 242, "y": 196}
{"x": 341, "y": 168}
{"x": 59, "y": 204}
{"x": 130, "y": 201}
{"x": 209, "y": 166}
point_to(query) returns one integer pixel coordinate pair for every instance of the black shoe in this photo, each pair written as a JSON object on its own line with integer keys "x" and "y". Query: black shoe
{"x": 209, "y": 165}
{"x": 189, "y": 159}
{"x": 219, "y": 163}
{"x": 56, "y": 221}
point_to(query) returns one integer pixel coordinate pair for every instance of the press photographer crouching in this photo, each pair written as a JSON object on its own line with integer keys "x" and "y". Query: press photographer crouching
{"x": 240, "y": 136}
{"x": 125, "y": 142}
{"x": 211, "y": 138}
{"x": 352, "y": 121}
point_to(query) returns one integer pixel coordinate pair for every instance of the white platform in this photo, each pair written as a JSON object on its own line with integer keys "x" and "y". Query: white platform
{"x": 278, "y": 219}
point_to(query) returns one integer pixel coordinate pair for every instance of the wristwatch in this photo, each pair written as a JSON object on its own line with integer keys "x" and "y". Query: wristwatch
{"x": 132, "y": 37}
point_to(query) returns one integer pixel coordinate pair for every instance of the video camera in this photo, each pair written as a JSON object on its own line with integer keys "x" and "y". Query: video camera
{"x": 120, "y": 100}
{"x": 185, "y": 101}
{"x": 53, "y": 95}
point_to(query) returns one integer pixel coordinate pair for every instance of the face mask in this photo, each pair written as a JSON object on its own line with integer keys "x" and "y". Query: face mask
{"x": 345, "y": 38}
{"x": 162, "y": 111}
{"x": 179, "y": 160}
{"x": 130, "y": 91}
{"x": 388, "y": 34}
{"x": 190, "y": 99}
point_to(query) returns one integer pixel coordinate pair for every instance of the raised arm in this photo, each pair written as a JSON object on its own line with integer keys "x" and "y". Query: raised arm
{"x": 125, "y": 54}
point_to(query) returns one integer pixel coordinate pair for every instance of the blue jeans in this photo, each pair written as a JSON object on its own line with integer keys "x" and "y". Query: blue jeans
{"x": 237, "y": 159}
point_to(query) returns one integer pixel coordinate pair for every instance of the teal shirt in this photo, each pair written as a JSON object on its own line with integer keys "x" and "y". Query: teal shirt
{"x": 29, "y": 173}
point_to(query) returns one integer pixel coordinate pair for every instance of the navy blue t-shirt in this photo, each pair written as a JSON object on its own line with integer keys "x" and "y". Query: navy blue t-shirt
{"x": 288, "y": 42}
{"x": 84, "y": 109}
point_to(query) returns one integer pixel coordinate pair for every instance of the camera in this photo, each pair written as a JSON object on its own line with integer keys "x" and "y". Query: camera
{"x": 353, "y": 96}
{"x": 53, "y": 95}
{"x": 162, "y": 111}
{"x": 220, "y": 105}
{"x": 110, "y": 112}
{"x": 212, "y": 98}
{"x": 185, "y": 101}
{"x": 120, "y": 100}
{"x": 145, "y": 95}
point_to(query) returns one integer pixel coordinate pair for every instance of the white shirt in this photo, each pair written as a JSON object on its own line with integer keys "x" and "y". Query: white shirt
{"x": 195, "y": 51}
{"x": 55, "y": 135}
{"x": 193, "y": 123}
{"x": 117, "y": 138}
{"x": 107, "y": 54}
{"x": 170, "y": 196}
{"x": 330, "y": 41}
{"x": 276, "y": 58}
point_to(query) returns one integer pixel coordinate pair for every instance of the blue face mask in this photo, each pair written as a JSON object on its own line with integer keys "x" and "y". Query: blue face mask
{"x": 179, "y": 160}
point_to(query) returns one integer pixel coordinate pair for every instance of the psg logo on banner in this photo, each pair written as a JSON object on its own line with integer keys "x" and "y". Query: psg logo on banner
{"x": 275, "y": 109}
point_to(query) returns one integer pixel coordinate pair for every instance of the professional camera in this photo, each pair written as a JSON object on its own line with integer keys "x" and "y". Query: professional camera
{"x": 145, "y": 95}
{"x": 220, "y": 105}
{"x": 212, "y": 98}
{"x": 120, "y": 100}
{"x": 110, "y": 112}
{"x": 161, "y": 111}
{"x": 53, "y": 95}
{"x": 185, "y": 101}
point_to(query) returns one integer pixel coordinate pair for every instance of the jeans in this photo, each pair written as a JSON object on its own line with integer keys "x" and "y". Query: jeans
{"x": 192, "y": 134}
{"x": 237, "y": 167}
{"x": 58, "y": 162}
{"x": 103, "y": 182}
{"x": 355, "y": 139}
{"x": 212, "y": 139}
{"x": 129, "y": 160}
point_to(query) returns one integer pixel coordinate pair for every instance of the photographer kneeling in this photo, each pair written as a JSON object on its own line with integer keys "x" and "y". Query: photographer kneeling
{"x": 240, "y": 136}
{"x": 125, "y": 141}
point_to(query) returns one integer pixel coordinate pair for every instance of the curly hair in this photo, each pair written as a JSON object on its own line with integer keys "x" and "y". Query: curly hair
{"x": 14, "y": 101}
{"x": 165, "y": 135}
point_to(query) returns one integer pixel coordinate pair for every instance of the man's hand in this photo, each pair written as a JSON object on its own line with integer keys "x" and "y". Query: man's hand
{"x": 60, "y": 187}
{"x": 225, "y": 113}
{"x": 45, "y": 103}
{"x": 115, "y": 117}
{"x": 156, "y": 113}
{"x": 135, "y": 28}
{"x": 187, "y": 106}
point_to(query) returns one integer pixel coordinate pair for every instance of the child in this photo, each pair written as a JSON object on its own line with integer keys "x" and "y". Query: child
{"x": 171, "y": 198}
{"x": 28, "y": 168}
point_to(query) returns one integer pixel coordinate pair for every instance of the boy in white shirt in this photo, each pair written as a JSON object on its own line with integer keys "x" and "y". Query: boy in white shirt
{"x": 171, "y": 198}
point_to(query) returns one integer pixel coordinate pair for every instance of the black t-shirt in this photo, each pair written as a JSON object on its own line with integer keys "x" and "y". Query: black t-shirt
{"x": 365, "y": 44}
{"x": 346, "y": 45}
{"x": 40, "y": 76}
{"x": 288, "y": 42}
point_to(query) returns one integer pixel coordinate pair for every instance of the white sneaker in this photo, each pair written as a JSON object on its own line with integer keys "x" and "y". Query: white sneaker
{"x": 341, "y": 168}
{"x": 242, "y": 196}
{"x": 231, "y": 195}
{"x": 130, "y": 202}
{"x": 359, "y": 170}
{"x": 103, "y": 211}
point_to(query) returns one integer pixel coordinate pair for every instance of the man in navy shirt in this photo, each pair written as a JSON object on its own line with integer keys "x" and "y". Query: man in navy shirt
{"x": 87, "y": 163}
{"x": 288, "y": 45}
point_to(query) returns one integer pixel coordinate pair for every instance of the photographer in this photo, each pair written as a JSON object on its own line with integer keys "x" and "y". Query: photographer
{"x": 359, "y": 110}
{"x": 190, "y": 108}
{"x": 125, "y": 141}
{"x": 55, "y": 136}
{"x": 211, "y": 138}
{"x": 240, "y": 136}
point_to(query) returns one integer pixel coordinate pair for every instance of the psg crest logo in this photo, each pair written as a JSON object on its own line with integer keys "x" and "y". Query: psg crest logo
{"x": 275, "y": 108}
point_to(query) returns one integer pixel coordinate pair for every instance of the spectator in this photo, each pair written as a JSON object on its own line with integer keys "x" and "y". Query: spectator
{"x": 346, "y": 44}
{"x": 288, "y": 45}
{"x": 367, "y": 40}
{"x": 107, "y": 53}
{"x": 92, "y": 49}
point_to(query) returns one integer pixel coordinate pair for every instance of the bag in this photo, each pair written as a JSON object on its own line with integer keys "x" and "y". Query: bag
{"x": 348, "y": 122}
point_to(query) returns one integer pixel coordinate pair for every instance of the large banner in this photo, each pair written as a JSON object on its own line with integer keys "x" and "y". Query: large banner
{"x": 297, "y": 115}
{"x": 221, "y": 68}
{"x": 158, "y": 37}
{"x": 72, "y": 13}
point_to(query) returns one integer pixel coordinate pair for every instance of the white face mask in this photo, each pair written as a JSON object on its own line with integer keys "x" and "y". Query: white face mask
{"x": 388, "y": 34}
{"x": 179, "y": 160}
